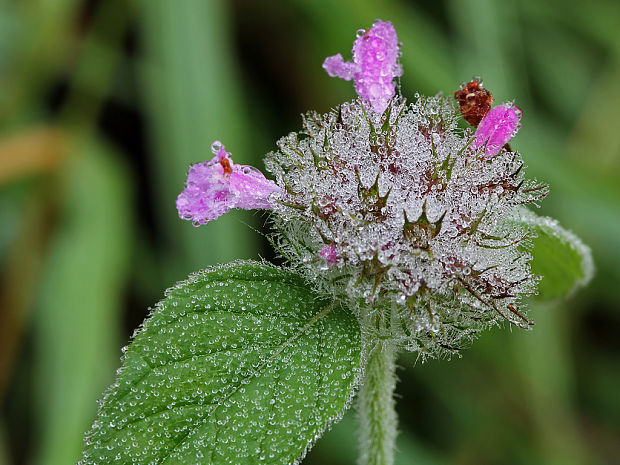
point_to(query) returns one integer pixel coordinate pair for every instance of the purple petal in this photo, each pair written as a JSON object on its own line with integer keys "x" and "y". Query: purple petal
{"x": 337, "y": 67}
{"x": 251, "y": 188}
{"x": 216, "y": 186}
{"x": 497, "y": 127}
{"x": 329, "y": 254}
{"x": 374, "y": 67}
{"x": 377, "y": 54}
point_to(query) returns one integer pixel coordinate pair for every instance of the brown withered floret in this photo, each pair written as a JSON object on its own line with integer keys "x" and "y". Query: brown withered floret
{"x": 474, "y": 100}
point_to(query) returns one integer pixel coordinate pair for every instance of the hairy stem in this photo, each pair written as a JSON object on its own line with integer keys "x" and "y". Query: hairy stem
{"x": 377, "y": 415}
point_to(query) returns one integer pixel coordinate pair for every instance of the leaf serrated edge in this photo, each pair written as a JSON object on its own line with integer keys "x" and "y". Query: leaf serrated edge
{"x": 199, "y": 276}
{"x": 330, "y": 422}
{"x": 191, "y": 279}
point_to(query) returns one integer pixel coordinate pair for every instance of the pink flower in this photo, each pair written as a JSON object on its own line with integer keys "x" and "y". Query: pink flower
{"x": 496, "y": 128}
{"x": 216, "y": 186}
{"x": 329, "y": 254}
{"x": 374, "y": 67}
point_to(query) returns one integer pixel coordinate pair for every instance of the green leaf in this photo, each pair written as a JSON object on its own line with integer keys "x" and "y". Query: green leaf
{"x": 240, "y": 364}
{"x": 560, "y": 257}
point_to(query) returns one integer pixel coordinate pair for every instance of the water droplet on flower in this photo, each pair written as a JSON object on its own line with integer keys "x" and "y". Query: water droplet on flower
{"x": 216, "y": 146}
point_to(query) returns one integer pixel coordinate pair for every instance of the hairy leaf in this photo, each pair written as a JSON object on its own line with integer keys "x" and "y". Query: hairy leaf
{"x": 240, "y": 364}
{"x": 562, "y": 260}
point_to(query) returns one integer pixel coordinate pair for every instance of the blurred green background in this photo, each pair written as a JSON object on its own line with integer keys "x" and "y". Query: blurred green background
{"x": 104, "y": 104}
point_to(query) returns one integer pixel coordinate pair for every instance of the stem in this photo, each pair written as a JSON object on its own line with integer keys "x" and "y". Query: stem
{"x": 377, "y": 415}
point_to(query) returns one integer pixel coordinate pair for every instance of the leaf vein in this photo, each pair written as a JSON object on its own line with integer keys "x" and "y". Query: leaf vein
{"x": 307, "y": 326}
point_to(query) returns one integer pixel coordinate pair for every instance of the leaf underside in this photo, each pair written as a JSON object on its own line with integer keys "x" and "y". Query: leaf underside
{"x": 241, "y": 364}
{"x": 562, "y": 260}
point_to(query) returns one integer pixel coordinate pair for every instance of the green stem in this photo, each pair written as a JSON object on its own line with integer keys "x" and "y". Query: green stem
{"x": 377, "y": 415}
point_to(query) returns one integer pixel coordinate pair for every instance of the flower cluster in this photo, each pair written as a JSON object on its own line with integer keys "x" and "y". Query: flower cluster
{"x": 391, "y": 206}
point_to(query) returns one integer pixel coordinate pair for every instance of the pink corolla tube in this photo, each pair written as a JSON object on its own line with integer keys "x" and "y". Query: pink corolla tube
{"x": 374, "y": 66}
{"x": 497, "y": 127}
{"x": 214, "y": 187}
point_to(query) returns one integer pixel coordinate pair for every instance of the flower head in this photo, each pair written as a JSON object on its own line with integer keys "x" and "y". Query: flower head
{"x": 216, "y": 186}
{"x": 410, "y": 220}
{"x": 410, "y": 216}
{"x": 374, "y": 67}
